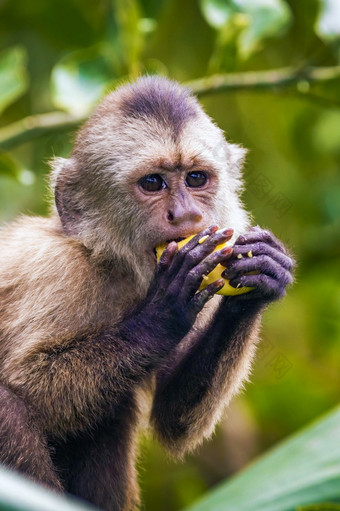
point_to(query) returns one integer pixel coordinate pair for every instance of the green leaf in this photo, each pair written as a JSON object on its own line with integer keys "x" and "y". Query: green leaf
{"x": 81, "y": 78}
{"x": 304, "y": 469}
{"x": 259, "y": 19}
{"x": 218, "y": 13}
{"x": 328, "y": 23}
{"x": 20, "y": 494}
{"x": 13, "y": 75}
{"x": 267, "y": 18}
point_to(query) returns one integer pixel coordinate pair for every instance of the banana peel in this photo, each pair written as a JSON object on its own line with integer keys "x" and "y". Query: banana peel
{"x": 215, "y": 274}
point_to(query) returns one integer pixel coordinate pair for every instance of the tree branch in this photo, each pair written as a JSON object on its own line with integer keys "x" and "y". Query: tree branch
{"x": 37, "y": 125}
{"x": 257, "y": 80}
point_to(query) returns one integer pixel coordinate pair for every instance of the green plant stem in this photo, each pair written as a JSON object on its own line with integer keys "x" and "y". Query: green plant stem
{"x": 36, "y": 125}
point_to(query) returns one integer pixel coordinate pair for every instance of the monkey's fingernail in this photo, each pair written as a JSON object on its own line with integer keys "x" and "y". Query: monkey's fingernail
{"x": 227, "y": 251}
{"x": 250, "y": 253}
{"x": 213, "y": 228}
{"x": 172, "y": 246}
{"x": 219, "y": 283}
{"x": 239, "y": 256}
{"x": 228, "y": 232}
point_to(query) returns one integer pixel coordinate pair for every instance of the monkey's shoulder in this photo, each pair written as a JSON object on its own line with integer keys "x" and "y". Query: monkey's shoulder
{"x": 46, "y": 279}
{"x": 34, "y": 247}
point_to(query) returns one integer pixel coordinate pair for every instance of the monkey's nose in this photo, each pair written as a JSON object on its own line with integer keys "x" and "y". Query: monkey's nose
{"x": 180, "y": 215}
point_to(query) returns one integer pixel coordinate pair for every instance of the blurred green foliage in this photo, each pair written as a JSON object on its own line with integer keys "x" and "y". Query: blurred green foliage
{"x": 301, "y": 470}
{"x": 65, "y": 54}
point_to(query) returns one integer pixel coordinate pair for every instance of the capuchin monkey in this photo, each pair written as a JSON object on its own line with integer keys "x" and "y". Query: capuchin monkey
{"x": 96, "y": 338}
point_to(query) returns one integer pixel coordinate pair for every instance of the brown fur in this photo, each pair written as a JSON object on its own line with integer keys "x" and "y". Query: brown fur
{"x": 67, "y": 280}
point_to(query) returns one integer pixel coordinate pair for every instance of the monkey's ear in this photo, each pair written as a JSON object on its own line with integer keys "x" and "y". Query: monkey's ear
{"x": 64, "y": 181}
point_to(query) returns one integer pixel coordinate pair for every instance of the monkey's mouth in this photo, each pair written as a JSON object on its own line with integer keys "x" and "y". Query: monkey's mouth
{"x": 177, "y": 240}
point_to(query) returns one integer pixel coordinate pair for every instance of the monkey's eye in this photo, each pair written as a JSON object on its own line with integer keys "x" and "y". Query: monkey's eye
{"x": 196, "y": 179}
{"x": 152, "y": 183}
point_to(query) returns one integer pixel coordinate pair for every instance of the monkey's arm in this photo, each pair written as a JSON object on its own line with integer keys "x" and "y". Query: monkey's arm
{"x": 191, "y": 394}
{"x": 73, "y": 385}
{"x": 73, "y": 382}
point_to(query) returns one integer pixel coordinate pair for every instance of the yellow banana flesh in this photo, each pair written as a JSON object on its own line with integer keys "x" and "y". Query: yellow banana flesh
{"x": 215, "y": 274}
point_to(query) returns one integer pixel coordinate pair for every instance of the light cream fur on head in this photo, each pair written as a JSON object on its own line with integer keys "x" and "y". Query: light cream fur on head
{"x": 127, "y": 134}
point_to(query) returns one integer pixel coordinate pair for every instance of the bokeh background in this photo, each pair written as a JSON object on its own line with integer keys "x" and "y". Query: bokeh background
{"x": 57, "y": 59}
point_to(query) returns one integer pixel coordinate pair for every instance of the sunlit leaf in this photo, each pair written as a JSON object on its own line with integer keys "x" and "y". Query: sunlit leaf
{"x": 328, "y": 23}
{"x": 13, "y": 75}
{"x": 259, "y": 19}
{"x": 218, "y": 12}
{"x": 304, "y": 469}
{"x": 267, "y": 18}
{"x": 81, "y": 78}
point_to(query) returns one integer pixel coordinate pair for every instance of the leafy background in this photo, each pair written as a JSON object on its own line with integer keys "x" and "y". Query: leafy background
{"x": 59, "y": 57}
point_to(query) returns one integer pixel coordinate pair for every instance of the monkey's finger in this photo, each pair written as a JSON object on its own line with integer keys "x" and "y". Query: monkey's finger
{"x": 264, "y": 286}
{"x": 200, "y": 299}
{"x": 217, "y": 238}
{"x": 255, "y": 249}
{"x": 262, "y": 264}
{"x": 194, "y": 277}
{"x": 199, "y": 252}
{"x": 198, "y": 237}
{"x": 159, "y": 280}
{"x": 256, "y": 234}
{"x": 178, "y": 260}
{"x": 168, "y": 256}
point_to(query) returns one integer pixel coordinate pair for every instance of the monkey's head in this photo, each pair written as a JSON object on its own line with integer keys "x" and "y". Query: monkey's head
{"x": 149, "y": 166}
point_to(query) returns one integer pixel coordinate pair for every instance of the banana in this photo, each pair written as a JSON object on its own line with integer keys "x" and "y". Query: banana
{"x": 215, "y": 274}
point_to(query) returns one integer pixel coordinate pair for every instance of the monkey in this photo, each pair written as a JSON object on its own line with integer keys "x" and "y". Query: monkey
{"x": 97, "y": 339}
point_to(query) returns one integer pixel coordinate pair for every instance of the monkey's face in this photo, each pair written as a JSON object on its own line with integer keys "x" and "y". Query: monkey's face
{"x": 181, "y": 185}
{"x": 175, "y": 199}
{"x": 148, "y": 167}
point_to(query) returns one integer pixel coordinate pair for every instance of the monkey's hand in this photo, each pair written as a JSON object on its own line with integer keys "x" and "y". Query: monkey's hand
{"x": 172, "y": 299}
{"x": 259, "y": 251}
